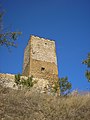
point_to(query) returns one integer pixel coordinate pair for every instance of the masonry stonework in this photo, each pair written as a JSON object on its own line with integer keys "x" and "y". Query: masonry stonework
{"x": 40, "y": 59}
{"x": 40, "y": 62}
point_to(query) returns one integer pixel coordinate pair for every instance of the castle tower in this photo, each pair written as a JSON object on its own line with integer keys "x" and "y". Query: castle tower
{"x": 40, "y": 59}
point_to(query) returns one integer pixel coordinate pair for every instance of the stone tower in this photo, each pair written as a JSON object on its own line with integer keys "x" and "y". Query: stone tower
{"x": 40, "y": 59}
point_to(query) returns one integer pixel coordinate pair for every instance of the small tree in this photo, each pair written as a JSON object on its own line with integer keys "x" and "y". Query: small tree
{"x": 87, "y": 62}
{"x": 7, "y": 38}
{"x": 65, "y": 86}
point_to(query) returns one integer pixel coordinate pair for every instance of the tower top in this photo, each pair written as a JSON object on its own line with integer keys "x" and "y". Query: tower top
{"x": 37, "y": 37}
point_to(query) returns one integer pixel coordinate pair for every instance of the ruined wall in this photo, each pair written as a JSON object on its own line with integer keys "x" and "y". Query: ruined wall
{"x": 39, "y": 85}
{"x": 8, "y": 80}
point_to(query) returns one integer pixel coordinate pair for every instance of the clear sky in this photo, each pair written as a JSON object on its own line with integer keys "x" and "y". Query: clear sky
{"x": 65, "y": 21}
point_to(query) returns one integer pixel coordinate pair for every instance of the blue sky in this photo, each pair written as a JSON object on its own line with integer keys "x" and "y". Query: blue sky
{"x": 65, "y": 21}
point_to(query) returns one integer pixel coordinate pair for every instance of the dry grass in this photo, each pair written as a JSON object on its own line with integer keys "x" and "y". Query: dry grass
{"x": 24, "y": 105}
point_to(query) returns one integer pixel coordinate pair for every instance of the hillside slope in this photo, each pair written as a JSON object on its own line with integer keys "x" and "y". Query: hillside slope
{"x": 25, "y": 105}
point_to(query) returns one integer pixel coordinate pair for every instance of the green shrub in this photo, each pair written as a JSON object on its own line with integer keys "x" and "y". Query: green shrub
{"x": 65, "y": 86}
{"x": 25, "y": 82}
{"x": 17, "y": 79}
{"x": 56, "y": 86}
{"x": 29, "y": 82}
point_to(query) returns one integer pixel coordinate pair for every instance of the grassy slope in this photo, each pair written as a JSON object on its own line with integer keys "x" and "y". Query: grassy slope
{"x": 23, "y": 105}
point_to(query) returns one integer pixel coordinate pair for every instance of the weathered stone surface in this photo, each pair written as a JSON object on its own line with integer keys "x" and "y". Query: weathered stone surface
{"x": 9, "y": 76}
{"x": 7, "y": 80}
{"x": 40, "y": 59}
{"x": 26, "y": 66}
{"x": 40, "y": 85}
{"x": 43, "y": 49}
{"x": 44, "y": 70}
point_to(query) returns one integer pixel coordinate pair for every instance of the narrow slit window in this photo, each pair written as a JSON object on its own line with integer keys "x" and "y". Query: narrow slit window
{"x": 45, "y": 43}
{"x": 42, "y": 68}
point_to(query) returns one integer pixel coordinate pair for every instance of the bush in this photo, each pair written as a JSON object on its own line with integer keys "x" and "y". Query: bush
{"x": 65, "y": 86}
{"x": 17, "y": 79}
{"x": 25, "y": 82}
{"x": 56, "y": 86}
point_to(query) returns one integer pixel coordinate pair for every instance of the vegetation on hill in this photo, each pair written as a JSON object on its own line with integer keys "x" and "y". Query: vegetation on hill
{"x": 87, "y": 62}
{"x": 65, "y": 86}
{"x": 24, "y": 82}
{"x": 25, "y": 105}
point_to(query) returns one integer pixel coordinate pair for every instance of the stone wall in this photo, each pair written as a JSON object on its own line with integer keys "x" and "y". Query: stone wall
{"x": 40, "y": 85}
{"x": 42, "y": 69}
{"x": 7, "y": 80}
